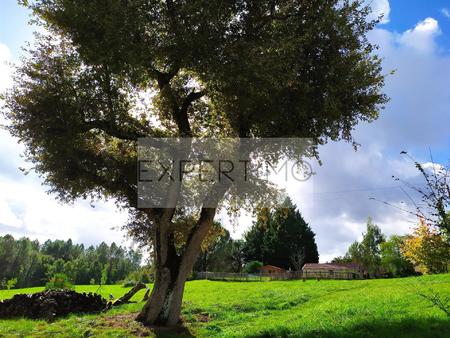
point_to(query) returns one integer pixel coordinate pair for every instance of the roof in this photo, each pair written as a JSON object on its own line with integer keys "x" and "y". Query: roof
{"x": 330, "y": 266}
{"x": 271, "y": 267}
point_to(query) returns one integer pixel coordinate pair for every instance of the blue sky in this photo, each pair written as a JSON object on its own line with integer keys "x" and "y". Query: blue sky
{"x": 414, "y": 39}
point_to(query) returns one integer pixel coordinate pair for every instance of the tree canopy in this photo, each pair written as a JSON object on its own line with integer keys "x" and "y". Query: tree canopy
{"x": 109, "y": 73}
{"x": 271, "y": 69}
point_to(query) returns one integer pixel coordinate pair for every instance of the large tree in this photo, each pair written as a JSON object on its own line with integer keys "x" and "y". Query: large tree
{"x": 111, "y": 72}
{"x": 281, "y": 238}
{"x": 367, "y": 253}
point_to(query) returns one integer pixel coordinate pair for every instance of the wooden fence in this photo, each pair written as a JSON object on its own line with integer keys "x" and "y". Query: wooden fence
{"x": 288, "y": 275}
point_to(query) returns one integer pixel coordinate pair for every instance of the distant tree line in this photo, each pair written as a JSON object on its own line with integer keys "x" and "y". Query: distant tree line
{"x": 423, "y": 251}
{"x": 279, "y": 237}
{"x": 25, "y": 263}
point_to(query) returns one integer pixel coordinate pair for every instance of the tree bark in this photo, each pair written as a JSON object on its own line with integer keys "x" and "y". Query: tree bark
{"x": 126, "y": 297}
{"x": 164, "y": 305}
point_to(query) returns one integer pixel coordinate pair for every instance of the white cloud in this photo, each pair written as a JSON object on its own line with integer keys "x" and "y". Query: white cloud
{"x": 5, "y": 69}
{"x": 379, "y": 7}
{"x": 340, "y": 203}
{"x": 418, "y": 113}
{"x": 7, "y": 216}
{"x": 445, "y": 12}
{"x": 422, "y": 36}
{"x": 38, "y": 215}
{"x": 417, "y": 117}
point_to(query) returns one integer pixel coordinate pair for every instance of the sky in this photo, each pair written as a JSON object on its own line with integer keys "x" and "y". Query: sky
{"x": 414, "y": 42}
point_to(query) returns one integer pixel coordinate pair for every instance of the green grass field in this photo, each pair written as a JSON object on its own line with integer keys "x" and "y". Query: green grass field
{"x": 366, "y": 308}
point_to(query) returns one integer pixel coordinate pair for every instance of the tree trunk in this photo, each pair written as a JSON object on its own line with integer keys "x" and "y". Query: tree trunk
{"x": 164, "y": 305}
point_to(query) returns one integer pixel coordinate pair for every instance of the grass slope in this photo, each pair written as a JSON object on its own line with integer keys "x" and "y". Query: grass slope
{"x": 367, "y": 308}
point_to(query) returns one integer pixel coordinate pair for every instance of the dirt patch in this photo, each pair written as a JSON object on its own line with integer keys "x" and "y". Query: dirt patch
{"x": 126, "y": 321}
{"x": 203, "y": 317}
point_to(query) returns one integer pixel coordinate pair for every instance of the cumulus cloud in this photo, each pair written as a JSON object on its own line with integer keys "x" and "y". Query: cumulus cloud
{"x": 422, "y": 36}
{"x": 338, "y": 200}
{"x": 380, "y": 7}
{"x": 418, "y": 114}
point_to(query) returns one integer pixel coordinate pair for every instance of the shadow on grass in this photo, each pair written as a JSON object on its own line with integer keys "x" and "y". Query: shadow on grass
{"x": 404, "y": 328}
{"x": 179, "y": 331}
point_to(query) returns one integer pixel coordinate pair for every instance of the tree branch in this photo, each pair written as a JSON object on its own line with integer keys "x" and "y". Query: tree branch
{"x": 194, "y": 96}
{"x": 113, "y": 130}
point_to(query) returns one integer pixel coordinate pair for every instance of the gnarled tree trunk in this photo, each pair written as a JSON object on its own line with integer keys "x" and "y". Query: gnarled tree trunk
{"x": 164, "y": 305}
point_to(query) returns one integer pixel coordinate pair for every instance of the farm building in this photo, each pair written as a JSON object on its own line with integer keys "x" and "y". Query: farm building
{"x": 270, "y": 269}
{"x": 333, "y": 271}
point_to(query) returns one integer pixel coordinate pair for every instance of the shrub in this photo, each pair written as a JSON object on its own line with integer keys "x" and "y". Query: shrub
{"x": 144, "y": 274}
{"x": 129, "y": 283}
{"x": 59, "y": 281}
{"x": 10, "y": 284}
{"x": 252, "y": 267}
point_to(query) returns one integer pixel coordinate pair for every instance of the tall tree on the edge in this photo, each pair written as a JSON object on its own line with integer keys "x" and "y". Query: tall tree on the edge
{"x": 239, "y": 68}
{"x": 281, "y": 238}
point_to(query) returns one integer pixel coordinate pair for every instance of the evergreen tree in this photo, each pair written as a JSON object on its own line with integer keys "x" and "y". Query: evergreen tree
{"x": 281, "y": 238}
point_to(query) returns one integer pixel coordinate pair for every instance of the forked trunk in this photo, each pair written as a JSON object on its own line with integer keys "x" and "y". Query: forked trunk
{"x": 164, "y": 305}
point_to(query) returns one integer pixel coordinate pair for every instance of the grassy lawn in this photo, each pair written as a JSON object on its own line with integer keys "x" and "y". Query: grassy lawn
{"x": 367, "y": 308}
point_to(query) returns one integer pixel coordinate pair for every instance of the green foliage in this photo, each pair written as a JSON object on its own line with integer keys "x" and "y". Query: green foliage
{"x": 8, "y": 284}
{"x": 33, "y": 263}
{"x": 378, "y": 256}
{"x": 281, "y": 238}
{"x": 214, "y": 68}
{"x": 392, "y": 259}
{"x": 104, "y": 278}
{"x": 59, "y": 281}
{"x": 367, "y": 253}
{"x": 144, "y": 274}
{"x": 11, "y": 283}
{"x": 222, "y": 255}
{"x": 427, "y": 248}
{"x": 129, "y": 283}
{"x": 252, "y": 267}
